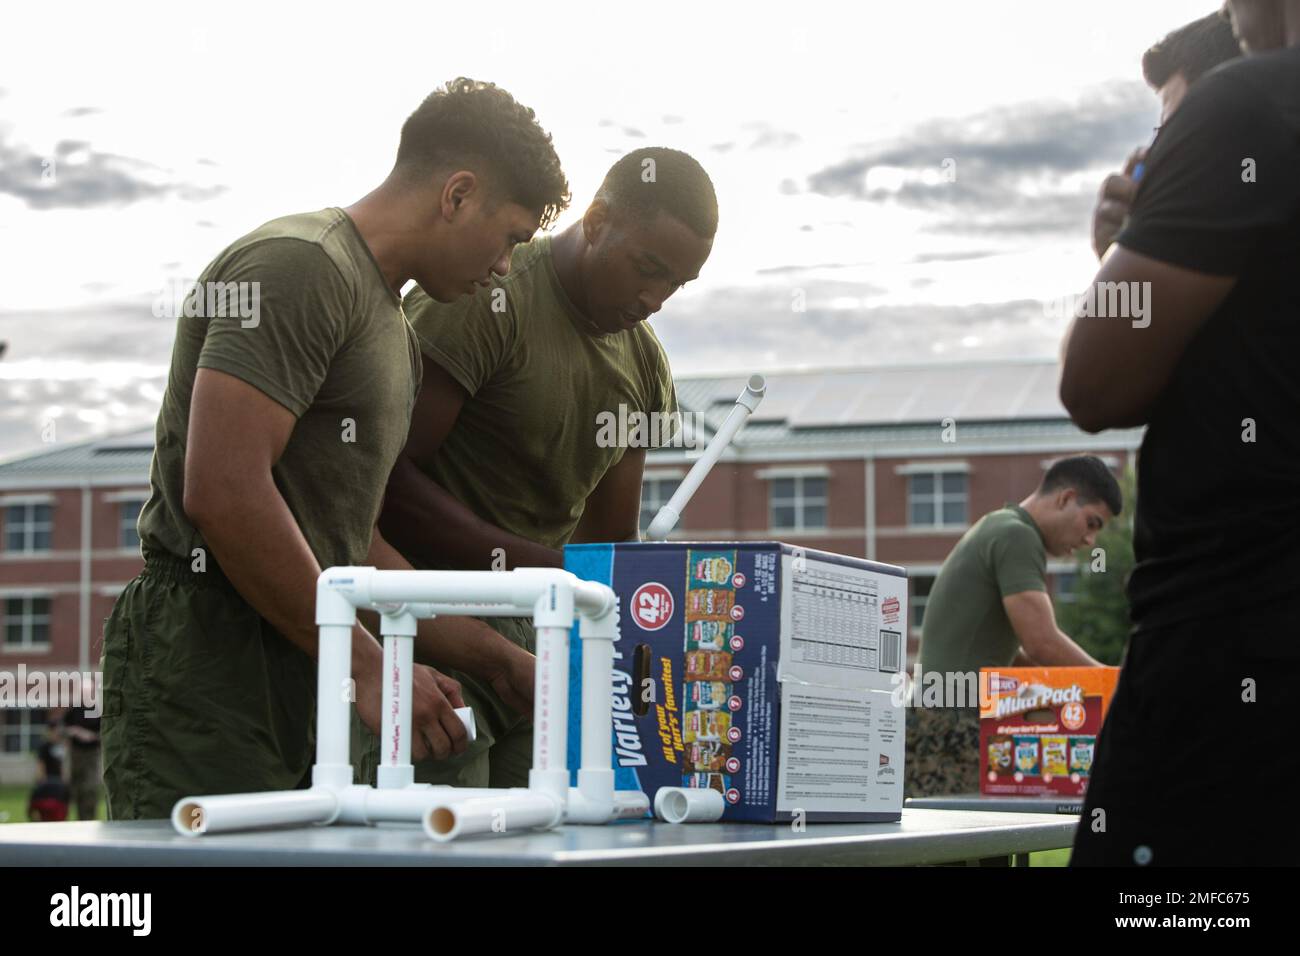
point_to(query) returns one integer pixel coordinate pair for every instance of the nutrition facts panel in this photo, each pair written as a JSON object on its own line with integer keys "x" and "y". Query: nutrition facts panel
{"x": 835, "y": 616}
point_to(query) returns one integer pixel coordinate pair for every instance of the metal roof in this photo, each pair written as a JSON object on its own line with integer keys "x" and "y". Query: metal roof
{"x": 899, "y": 409}
{"x": 121, "y": 457}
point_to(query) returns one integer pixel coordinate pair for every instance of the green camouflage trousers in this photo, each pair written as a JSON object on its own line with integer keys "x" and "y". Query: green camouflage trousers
{"x": 942, "y": 751}
{"x": 502, "y": 752}
{"x": 201, "y": 695}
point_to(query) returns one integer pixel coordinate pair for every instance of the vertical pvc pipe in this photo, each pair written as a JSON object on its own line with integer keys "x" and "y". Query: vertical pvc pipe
{"x": 597, "y": 709}
{"x": 334, "y": 697}
{"x": 551, "y": 711}
{"x": 395, "y": 770}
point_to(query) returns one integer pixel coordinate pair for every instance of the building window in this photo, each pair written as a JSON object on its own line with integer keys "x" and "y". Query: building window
{"x": 1067, "y": 587}
{"x": 26, "y": 623}
{"x": 798, "y": 504}
{"x": 27, "y": 528}
{"x": 128, "y": 513}
{"x": 22, "y": 729}
{"x": 655, "y": 493}
{"x": 936, "y": 499}
{"x": 918, "y": 596}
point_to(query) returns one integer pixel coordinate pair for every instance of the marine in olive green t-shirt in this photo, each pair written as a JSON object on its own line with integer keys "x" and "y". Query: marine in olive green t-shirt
{"x": 525, "y": 452}
{"x": 965, "y": 625}
{"x": 201, "y": 694}
{"x": 329, "y": 342}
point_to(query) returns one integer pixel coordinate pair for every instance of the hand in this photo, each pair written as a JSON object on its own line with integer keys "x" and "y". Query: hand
{"x": 436, "y": 731}
{"x": 1114, "y": 203}
{"x": 515, "y": 679}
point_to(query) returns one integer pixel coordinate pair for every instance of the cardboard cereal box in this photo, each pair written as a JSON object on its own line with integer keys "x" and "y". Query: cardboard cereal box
{"x": 772, "y": 672}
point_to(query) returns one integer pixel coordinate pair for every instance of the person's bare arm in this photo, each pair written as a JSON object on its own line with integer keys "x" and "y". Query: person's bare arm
{"x": 466, "y": 644}
{"x": 1113, "y": 372}
{"x": 1043, "y": 642}
{"x": 613, "y": 509}
{"x": 236, "y": 435}
{"x": 422, "y": 519}
{"x": 1022, "y": 659}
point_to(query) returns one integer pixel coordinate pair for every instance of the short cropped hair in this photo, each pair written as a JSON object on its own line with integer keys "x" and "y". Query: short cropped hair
{"x": 1089, "y": 477}
{"x": 1192, "y": 50}
{"x": 658, "y": 179}
{"x": 469, "y": 123}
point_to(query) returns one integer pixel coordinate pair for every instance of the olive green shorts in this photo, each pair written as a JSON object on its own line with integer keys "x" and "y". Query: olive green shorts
{"x": 502, "y": 752}
{"x": 201, "y": 695}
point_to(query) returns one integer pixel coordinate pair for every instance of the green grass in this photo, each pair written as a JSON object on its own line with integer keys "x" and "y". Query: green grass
{"x": 1050, "y": 858}
{"x": 13, "y": 806}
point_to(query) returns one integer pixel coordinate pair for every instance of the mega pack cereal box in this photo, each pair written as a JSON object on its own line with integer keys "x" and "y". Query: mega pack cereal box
{"x": 761, "y": 670}
{"x": 1038, "y": 726}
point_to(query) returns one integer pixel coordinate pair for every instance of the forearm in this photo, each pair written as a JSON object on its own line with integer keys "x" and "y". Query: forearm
{"x": 1057, "y": 649}
{"x": 459, "y": 643}
{"x": 425, "y": 521}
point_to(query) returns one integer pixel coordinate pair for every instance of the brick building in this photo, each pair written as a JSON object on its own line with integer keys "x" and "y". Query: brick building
{"x": 890, "y": 463}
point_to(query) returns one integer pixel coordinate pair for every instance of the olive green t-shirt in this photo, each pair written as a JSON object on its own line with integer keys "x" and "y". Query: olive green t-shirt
{"x": 528, "y": 446}
{"x": 965, "y": 625}
{"x": 325, "y": 337}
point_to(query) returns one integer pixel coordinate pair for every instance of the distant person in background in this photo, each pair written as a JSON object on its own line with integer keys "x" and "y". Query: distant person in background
{"x": 1196, "y": 737}
{"x": 48, "y": 802}
{"x": 82, "y": 733}
{"x": 989, "y": 607}
{"x": 1170, "y": 67}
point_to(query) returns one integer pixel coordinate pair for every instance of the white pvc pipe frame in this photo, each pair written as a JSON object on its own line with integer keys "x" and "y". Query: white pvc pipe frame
{"x": 554, "y": 598}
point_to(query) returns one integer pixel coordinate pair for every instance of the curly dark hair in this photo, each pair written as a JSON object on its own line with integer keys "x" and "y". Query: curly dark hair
{"x": 679, "y": 187}
{"x": 472, "y": 123}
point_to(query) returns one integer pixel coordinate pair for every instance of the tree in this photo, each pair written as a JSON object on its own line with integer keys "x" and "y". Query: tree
{"x": 1098, "y": 618}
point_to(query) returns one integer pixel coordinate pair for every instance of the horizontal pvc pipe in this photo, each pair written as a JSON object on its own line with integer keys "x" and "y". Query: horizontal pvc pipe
{"x": 509, "y": 811}
{"x": 689, "y": 805}
{"x": 630, "y": 804}
{"x": 195, "y": 816}
{"x": 366, "y": 805}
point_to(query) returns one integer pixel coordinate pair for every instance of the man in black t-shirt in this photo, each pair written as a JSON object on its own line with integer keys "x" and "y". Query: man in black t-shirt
{"x": 1211, "y": 364}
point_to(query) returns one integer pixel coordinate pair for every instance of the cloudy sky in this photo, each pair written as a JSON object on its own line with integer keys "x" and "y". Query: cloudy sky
{"x": 919, "y": 175}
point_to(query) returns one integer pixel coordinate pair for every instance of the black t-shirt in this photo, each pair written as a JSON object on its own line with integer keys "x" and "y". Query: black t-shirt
{"x": 1217, "y": 524}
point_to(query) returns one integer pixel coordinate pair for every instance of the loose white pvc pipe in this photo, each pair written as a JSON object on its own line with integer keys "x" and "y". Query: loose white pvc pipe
{"x": 195, "y": 816}
{"x": 671, "y": 513}
{"x": 689, "y": 805}
{"x": 506, "y": 811}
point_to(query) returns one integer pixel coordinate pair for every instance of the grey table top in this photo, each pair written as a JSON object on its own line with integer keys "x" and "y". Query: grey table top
{"x": 923, "y": 836}
{"x": 975, "y": 801}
